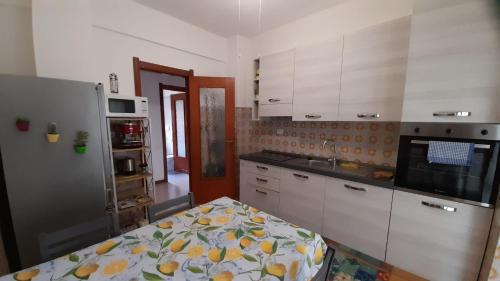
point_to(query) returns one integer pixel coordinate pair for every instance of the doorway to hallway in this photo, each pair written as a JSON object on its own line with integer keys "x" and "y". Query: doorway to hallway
{"x": 174, "y": 120}
{"x": 208, "y": 113}
{"x": 175, "y": 140}
{"x": 169, "y": 138}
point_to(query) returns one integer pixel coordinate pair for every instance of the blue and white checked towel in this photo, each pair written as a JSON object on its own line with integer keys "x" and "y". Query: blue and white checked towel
{"x": 451, "y": 153}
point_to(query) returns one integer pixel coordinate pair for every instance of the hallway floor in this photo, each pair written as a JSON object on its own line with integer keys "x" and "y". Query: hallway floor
{"x": 177, "y": 185}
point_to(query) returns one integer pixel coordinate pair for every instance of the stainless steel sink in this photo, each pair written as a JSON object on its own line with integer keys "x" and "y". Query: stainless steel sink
{"x": 323, "y": 164}
{"x": 313, "y": 163}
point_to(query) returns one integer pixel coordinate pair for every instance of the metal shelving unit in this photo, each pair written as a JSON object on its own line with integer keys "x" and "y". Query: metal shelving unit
{"x": 130, "y": 187}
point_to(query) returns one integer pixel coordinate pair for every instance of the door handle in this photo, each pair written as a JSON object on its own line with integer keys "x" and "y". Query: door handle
{"x": 274, "y": 100}
{"x": 452, "y": 114}
{"x": 260, "y": 191}
{"x": 261, "y": 180}
{"x": 262, "y": 168}
{"x": 368, "y": 115}
{"x": 441, "y": 207}
{"x": 301, "y": 176}
{"x": 229, "y": 141}
{"x": 355, "y": 188}
{"x": 311, "y": 116}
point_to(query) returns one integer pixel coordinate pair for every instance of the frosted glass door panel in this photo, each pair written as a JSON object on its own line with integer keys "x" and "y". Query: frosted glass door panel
{"x": 213, "y": 135}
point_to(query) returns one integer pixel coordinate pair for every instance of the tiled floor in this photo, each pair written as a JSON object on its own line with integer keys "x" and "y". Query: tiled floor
{"x": 177, "y": 185}
{"x": 349, "y": 264}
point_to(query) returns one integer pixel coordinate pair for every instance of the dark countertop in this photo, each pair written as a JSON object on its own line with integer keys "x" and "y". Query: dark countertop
{"x": 316, "y": 165}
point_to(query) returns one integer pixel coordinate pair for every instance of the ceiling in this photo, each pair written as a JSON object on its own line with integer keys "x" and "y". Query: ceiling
{"x": 221, "y": 16}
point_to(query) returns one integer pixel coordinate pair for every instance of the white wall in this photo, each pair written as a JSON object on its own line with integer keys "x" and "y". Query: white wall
{"x": 16, "y": 49}
{"x": 150, "y": 82}
{"x": 89, "y": 39}
{"x": 62, "y": 39}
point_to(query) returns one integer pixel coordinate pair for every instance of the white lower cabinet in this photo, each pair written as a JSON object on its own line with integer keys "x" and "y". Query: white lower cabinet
{"x": 261, "y": 198}
{"x": 357, "y": 215}
{"x": 302, "y": 196}
{"x": 259, "y": 190}
{"x": 437, "y": 239}
{"x": 434, "y": 238}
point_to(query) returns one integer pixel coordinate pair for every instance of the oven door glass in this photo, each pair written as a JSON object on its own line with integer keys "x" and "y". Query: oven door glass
{"x": 476, "y": 182}
{"x": 121, "y": 106}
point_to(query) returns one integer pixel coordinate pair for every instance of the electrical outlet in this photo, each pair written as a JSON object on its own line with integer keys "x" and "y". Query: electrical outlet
{"x": 280, "y": 132}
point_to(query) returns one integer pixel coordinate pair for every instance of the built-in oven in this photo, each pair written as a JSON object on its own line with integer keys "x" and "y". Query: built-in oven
{"x": 452, "y": 161}
{"x": 125, "y": 106}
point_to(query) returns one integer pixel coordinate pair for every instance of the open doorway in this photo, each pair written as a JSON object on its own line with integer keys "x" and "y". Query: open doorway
{"x": 209, "y": 124}
{"x": 166, "y": 89}
{"x": 174, "y": 107}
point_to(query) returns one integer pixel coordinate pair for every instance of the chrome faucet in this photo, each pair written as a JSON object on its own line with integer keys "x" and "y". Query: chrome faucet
{"x": 333, "y": 159}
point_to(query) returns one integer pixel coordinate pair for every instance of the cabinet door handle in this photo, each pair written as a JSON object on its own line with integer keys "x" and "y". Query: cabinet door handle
{"x": 368, "y": 115}
{"x": 301, "y": 176}
{"x": 312, "y": 116}
{"x": 441, "y": 207}
{"x": 261, "y": 192}
{"x": 355, "y": 188}
{"x": 262, "y": 168}
{"x": 274, "y": 100}
{"x": 452, "y": 114}
{"x": 261, "y": 180}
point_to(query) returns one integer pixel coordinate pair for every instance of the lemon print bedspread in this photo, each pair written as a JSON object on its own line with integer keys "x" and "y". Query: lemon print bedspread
{"x": 223, "y": 240}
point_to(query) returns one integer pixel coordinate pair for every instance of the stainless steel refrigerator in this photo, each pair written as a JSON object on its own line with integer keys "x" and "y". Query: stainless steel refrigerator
{"x": 47, "y": 186}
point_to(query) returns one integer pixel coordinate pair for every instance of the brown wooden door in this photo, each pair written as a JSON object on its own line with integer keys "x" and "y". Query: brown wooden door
{"x": 180, "y": 132}
{"x": 211, "y": 119}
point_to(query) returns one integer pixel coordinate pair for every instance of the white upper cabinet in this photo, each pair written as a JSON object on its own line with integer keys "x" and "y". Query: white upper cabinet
{"x": 276, "y": 84}
{"x": 454, "y": 63}
{"x": 317, "y": 81}
{"x": 374, "y": 72}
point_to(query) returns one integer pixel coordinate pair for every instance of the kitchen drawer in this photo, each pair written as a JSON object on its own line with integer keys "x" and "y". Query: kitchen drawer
{"x": 261, "y": 198}
{"x": 260, "y": 169}
{"x": 357, "y": 215}
{"x": 437, "y": 239}
{"x": 301, "y": 198}
{"x": 261, "y": 181}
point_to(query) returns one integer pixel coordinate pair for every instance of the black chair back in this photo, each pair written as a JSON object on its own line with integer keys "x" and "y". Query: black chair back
{"x": 68, "y": 240}
{"x": 170, "y": 207}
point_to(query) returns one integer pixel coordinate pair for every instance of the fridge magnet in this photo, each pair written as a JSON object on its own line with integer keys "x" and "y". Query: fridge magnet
{"x": 52, "y": 135}
{"x": 81, "y": 142}
{"x": 23, "y": 124}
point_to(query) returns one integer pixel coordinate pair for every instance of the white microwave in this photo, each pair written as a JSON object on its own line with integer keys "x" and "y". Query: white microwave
{"x": 123, "y": 106}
